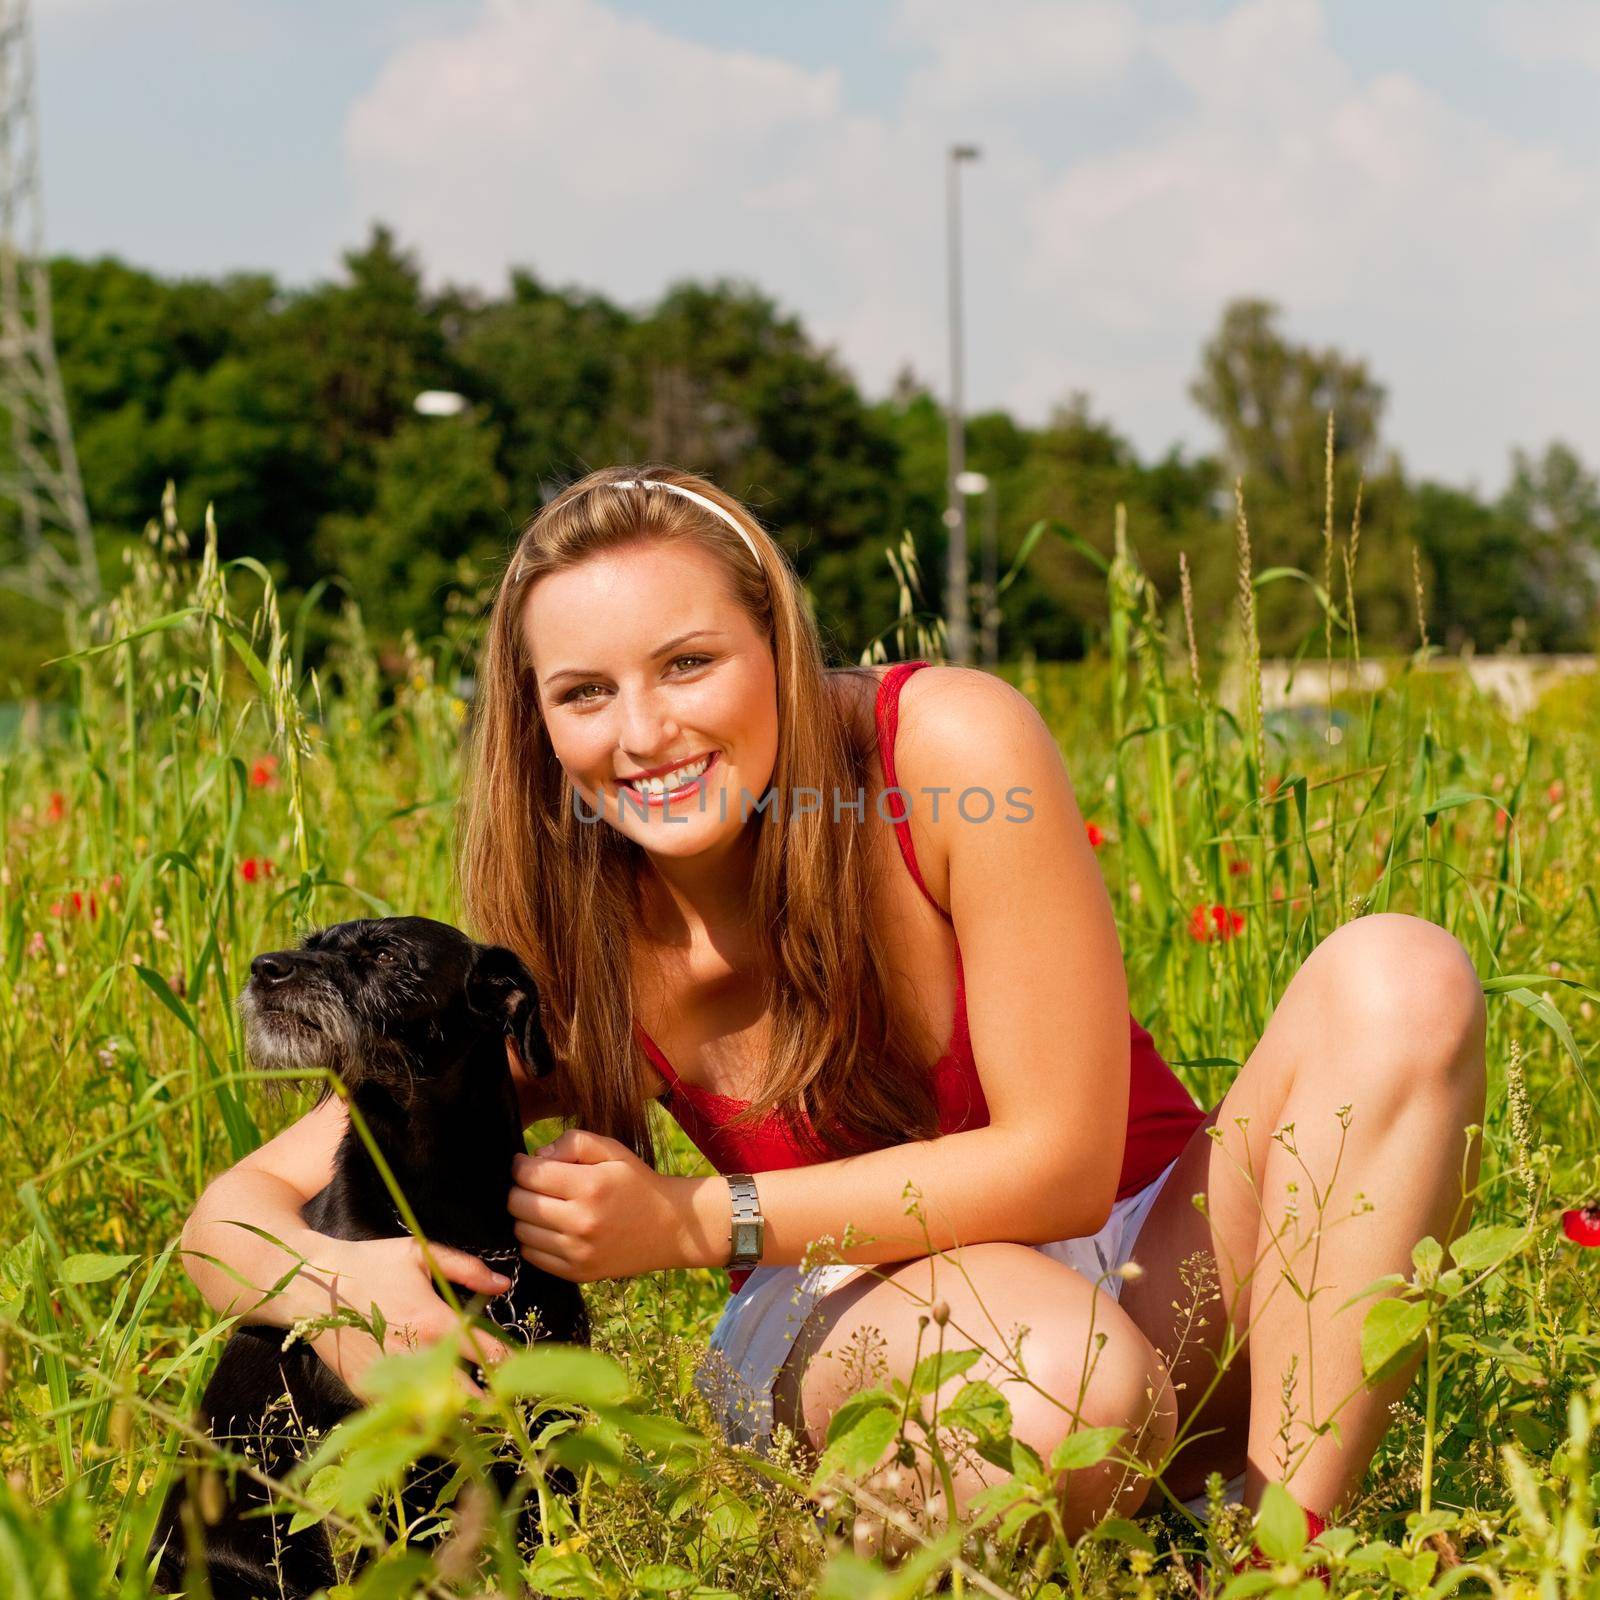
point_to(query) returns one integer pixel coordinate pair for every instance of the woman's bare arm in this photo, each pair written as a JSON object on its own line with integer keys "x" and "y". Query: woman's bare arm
{"x": 266, "y": 1189}
{"x": 1047, "y": 1003}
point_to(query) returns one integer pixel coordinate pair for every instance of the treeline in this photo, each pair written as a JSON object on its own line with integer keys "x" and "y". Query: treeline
{"x": 293, "y": 411}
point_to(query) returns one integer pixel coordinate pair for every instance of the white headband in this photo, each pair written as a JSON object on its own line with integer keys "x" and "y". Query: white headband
{"x": 688, "y": 494}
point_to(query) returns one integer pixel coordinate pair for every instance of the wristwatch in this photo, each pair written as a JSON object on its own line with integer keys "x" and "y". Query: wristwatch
{"x": 749, "y": 1226}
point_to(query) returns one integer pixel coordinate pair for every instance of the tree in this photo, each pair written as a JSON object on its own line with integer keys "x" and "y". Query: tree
{"x": 1555, "y": 503}
{"x": 439, "y": 520}
{"x": 1271, "y": 400}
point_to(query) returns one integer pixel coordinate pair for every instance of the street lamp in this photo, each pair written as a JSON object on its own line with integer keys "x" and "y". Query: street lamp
{"x": 958, "y": 629}
{"x": 972, "y": 483}
{"x": 439, "y": 403}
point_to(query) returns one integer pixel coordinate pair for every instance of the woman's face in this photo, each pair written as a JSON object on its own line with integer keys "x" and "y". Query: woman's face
{"x": 645, "y": 662}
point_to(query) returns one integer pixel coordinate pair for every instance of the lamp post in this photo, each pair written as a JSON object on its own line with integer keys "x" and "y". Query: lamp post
{"x": 439, "y": 403}
{"x": 957, "y": 625}
{"x": 979, "y": 483}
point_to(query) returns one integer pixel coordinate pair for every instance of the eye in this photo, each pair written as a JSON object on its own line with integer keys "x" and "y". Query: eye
{"x": 386, "y": 958}
{"x": 576, "y": 695}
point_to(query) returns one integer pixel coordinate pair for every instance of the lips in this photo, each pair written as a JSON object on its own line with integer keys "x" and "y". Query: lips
{"x": 687, "y": 788}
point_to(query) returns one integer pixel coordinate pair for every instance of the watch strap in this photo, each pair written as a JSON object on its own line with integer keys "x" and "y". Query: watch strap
{"x": 748, "y": 1234}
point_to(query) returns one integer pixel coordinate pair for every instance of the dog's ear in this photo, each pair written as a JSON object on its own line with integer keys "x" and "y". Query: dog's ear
{"x": 499, "y": 986}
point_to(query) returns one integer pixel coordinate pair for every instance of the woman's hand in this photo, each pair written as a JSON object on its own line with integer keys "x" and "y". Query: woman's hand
{"x": 391, "y": 1274}
{"x": 587, "y": 1207}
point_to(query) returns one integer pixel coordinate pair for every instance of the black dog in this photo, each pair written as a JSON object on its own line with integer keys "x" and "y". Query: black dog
{"x": 412, "y": 1016}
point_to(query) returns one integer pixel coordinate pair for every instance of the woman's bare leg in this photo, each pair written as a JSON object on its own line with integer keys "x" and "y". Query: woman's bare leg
{"x": 991, "y": 1290}
{"x": 1385, "y": 1017}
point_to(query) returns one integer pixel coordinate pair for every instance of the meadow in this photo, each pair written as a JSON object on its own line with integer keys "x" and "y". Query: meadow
{"x": 196, "y": 795}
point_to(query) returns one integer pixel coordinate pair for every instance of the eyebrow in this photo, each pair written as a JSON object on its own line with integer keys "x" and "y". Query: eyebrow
{"x": 656, "y": 654}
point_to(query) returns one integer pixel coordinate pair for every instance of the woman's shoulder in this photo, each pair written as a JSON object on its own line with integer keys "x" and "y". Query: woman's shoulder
{"x": 959, "y": 691}
{"x": 946, "y": 712}
{"x": 941, "y": 711}
{"x": 955, "y": 725}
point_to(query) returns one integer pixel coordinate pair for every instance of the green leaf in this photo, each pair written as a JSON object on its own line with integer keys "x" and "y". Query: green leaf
{"x": 562, "y": 1370}
{"x": 1426, "y": 1255}
{"x": 1487, "y": 1247}
{"x": 93, "y": 1268}
{"x": 591, "y": 1447}
{"x": 323, "y": 1491}
{"x": 1119, "y": 1530}
{"x": 1542, "y": 1006}
{"x": 980, "y": 1409}
{"x": 655, "y": 1433}
{"x": 162, "y": 990}
{"x": 856, "y": 1407}
{"x": 663, "y": 1577}
{"x": 397, "y": 1573}
{"x": 1085, "y": 1447}
{"x": 932, "y": 1372}
{"x": 860, "y": 1449}
{"x": 1391, "y": 1328}
{"x": 1280, "y": 1529}
{"x": 570, "y": 1577}
{"x": 173, "y": 619}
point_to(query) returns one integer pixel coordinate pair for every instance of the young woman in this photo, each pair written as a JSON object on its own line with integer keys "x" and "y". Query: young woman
{"x": 847, "y": 927}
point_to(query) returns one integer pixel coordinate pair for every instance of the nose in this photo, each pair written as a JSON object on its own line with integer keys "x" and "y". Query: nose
{"x": 273, "y": 968}
{"x": 646, "y": 728}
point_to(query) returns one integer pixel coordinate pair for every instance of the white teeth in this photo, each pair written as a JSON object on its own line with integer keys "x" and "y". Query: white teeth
{"x": 675, "y": 779}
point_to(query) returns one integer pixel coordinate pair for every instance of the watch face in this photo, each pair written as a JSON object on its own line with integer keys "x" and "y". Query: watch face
{"x": 746, "y": 1240}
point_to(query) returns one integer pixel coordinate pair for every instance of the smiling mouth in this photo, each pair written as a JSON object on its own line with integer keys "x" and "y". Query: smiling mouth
{"x": 688, "y": 786}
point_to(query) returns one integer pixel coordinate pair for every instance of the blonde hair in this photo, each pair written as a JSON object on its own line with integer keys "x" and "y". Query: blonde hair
{"x": 564, "y": 893}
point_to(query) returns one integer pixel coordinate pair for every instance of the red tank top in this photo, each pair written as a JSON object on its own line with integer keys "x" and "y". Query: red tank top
{"x": 1161, "y": 1114}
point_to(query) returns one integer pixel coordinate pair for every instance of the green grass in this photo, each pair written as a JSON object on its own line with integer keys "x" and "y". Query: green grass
{"x": 194, "y": 749}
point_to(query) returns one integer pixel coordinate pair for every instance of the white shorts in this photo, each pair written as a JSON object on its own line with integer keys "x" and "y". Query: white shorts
{"x": 759, "y": 1325}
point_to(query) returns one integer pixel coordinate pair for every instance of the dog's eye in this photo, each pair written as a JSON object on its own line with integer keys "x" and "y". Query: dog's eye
{"x": 386, "y": 958}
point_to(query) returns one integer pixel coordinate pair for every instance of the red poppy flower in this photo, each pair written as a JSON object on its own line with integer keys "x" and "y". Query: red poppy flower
{"x": 1554, "y": 793}
{"x": 264, "y": 774}
{"x": 1214, "y": 922}
{"x": 1237, "y": 867}
{"x": 75, "y": 905}
{"x": 1274, "y": 783}
{"x": 254, "y": 869}
{"x": 1097, "y": 835}
{"x": 1583, "y": 1225}
{"x": 57, "y": 808}
{"x": 1501, "y": 821}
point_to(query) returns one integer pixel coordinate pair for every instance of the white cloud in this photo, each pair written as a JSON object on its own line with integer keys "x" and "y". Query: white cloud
{"x": 1544, "y": 31}
{"x": 602, "y": 149}
{"x": 1456, "y": 260}
{"x": 598, "y": 148}
{"x": 1013, "y": 48}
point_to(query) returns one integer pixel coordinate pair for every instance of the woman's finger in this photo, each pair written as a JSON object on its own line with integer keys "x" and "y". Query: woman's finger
{"x": 545, "y": 1262}
{"x": 561, "y": 1180}
{"x": 550, "y": 1240}
{"x": 461, "y": 1266}
{"x": 480, "y": 1348}
{"x": 546, "y": 1210}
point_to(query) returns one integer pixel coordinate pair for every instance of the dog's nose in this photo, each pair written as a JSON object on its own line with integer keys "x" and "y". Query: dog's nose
{"x": 271, "y": 968}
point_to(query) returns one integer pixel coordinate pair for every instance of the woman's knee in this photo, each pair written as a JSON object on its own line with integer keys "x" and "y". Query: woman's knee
{"x": 1062, "y": 1354}
{"x": 1107, "y": 1377}
{"x": 1404, "y": 993}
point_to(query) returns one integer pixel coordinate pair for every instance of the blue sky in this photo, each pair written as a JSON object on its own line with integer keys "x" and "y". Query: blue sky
{"x": 1416, "y": 181}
